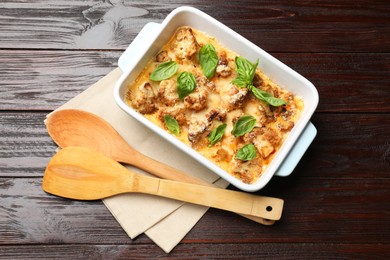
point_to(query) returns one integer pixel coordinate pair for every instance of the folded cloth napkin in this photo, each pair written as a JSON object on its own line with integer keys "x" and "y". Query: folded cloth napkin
{"x": 164, "y": 221}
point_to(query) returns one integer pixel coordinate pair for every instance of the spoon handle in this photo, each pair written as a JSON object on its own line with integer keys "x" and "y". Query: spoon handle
{"x": 161, "y": 170}
{"x": 239, "y": 202}
{"x": 167, "y": 172}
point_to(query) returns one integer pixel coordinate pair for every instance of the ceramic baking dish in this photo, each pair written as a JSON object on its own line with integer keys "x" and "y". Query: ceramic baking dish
{"x": 151, "y": 39}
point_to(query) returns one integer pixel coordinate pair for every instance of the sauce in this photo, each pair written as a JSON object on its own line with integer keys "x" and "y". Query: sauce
{"x": 215, "y": 101}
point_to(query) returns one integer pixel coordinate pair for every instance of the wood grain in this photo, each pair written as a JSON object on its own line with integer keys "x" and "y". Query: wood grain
{"x": 197, "y": 251}
{"x": 336, "y": 200}
{"x": 346, "y": 82}
{"x": 325, "y": 26}
{"x": 25, "y": 146}
{"x": 359, "y": 210}
{"x": 45, "y": 80}
{"x": 39, "y": 80}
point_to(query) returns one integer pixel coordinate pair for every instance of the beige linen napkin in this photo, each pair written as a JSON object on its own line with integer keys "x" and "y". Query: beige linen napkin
{"x": 164, "y": 221}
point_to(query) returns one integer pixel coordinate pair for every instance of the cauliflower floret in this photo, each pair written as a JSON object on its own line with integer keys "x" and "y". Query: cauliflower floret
{"x": 144, "y": 99}
{"x": 177, "y": 112}
{"x": 163, "y": 56}
{"x": 247, "y": 170}
{"x": 233, "y": 97}
{"x": 202, "y": 81}
{"x": 197, "y": 126}
{"x": 167, "y": 93}
{"x": 197, "y": 100}
{"x": 264, "y": 139}
{"x": 185, "y": 44}
{"x": 223, "y": 68}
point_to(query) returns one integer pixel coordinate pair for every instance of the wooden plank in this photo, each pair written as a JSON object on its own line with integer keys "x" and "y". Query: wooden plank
{"x": 38, "y": 80}
{"x": 25, "y": 145}
{"x": 51, "y": 219}
{"x": 352, "y": 26}
{"x": 336, "y": 201}
{"x": 44, "y": 80}
{"x": 200, "y": 251}
{"x": 346, "y": 82}
{"x": 30, "y": 216}
{"x": 347, "y": 146}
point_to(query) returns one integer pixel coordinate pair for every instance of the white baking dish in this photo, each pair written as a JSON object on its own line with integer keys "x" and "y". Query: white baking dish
{"x": 151, "y": 39}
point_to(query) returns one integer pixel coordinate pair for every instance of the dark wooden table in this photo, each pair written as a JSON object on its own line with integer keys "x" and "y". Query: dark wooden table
{"x": 337, "y": 201}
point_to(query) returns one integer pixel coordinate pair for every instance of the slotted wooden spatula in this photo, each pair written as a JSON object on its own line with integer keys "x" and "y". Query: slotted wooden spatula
{"x": 83, "y": 174}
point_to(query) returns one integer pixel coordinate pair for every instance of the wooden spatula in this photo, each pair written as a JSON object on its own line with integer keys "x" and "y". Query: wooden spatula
{"x": 83, "y": 174}
{"x": 74, "y": 127}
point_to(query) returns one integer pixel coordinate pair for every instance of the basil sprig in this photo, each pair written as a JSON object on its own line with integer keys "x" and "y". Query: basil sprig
{"x": 243, "y": 125}
{"x": 246, "y": 153}
{"x": 186, "y": 83}
{"x": 267, "y": 97}
{"x": 208, "y": 60}
{"x": 172, "y": 124}
{"x": 217, "y": 134}
{"x": 164, "y": 71}
{"x": 246, "y": 72}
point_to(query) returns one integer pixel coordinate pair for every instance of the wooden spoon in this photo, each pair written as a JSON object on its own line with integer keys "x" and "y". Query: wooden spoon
{"x": 72, "y": 127}
{"x": 83, "y": 174}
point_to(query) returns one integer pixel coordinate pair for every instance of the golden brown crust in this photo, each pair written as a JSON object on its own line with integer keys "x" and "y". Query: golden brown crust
{"x": 144, "y": 100}
{"x": 167, "y": 93}
{"x": 197, "y": 100}
{"x": 163, "y": 56}
{"x": 213, "y": 102}
{"x": 185, "y": 45}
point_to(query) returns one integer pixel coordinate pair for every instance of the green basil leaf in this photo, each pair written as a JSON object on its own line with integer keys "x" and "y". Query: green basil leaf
{"x": 240, "y": 82}
{"x": 217, "y": 134}
{"x": 172, "y": 124}
{"x": 252, "y": 72}
{"x": 243, "y": 125}
{"x": 243, "y": 67}
{"x": 164, "y": 71}
{"x": 186, "y": 83}
{"x": 246, "y": 153}
{"x": 267, "y": 97}
{"x": 208, "y": 60}
{"x": 246, "y": 70}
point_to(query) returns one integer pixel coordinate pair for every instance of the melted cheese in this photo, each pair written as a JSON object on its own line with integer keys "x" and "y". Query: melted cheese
{"x": 225, "y": 102}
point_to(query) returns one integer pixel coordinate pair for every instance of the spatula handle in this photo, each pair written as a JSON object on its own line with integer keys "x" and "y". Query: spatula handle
{"x": 239, "y": 202}
{"x": 160, "y": 169}
{"x": 169, "y": 173}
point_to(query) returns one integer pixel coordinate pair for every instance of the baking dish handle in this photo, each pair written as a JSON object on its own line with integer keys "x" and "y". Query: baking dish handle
{"x": 297, "y": 151}
{"x": 130, "y": 55}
